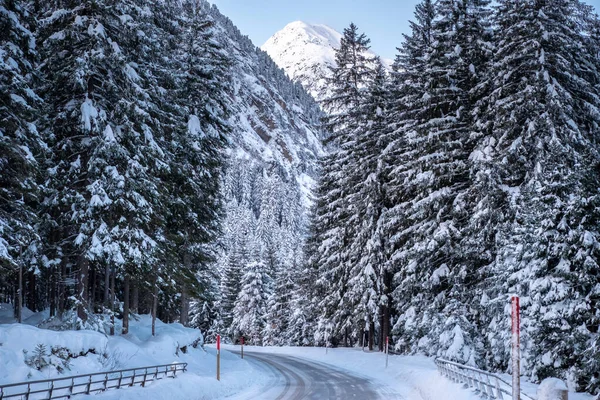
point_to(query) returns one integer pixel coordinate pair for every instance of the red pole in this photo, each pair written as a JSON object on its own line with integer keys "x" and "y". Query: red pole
{"x": 516, "y": 344}
{"x": 218, "y": 357}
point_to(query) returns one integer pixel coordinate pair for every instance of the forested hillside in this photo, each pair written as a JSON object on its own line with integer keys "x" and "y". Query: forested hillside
{"x": 468, "y": 175}
{"x": 146, "y": 148}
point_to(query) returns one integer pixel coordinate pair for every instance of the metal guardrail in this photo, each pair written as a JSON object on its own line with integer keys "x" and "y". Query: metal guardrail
{"x": 487, "y": 385}
{"x": 64, "y": 388}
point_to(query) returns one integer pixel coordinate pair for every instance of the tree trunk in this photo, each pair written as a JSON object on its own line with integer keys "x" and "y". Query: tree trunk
{"x": 112, "y": 302}
{"x": 52, "y": 293}
{"x": 126, "y": 306}
{"x": 82, "y": 287}
{"x": 93, "y": 284}
{"x": 371, "y": 334}
{"x": 20, "y": 291}
{"x": 154, "y": 305}
{"x": 106, "y": 298}
{"x": 385, "y": 327}
{"x": 61, "y": 295}
{"x": 185, "y": 306}
{"x": 346, "y": 337}
{"x": 381, "y": 335}
{"x": 136, "y": 297}
{"x": 31, "y": 291}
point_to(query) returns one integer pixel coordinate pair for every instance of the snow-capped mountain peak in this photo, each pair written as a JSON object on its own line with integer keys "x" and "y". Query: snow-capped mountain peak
{"x": 305, "y": 52}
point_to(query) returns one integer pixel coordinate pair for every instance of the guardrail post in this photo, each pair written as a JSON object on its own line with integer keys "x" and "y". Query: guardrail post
{"x": 72, "y": 386}
{"x": 28, "y": 391}
{"x": 89, "y": 385}
{"x": 145, "y": 374}
{"x": 119, "y": 381}
{"x": 498, "y": 391}
{"x": 132, "y": 379}
{"x": 105, "y": 382}
{"x": 49, "y": 392}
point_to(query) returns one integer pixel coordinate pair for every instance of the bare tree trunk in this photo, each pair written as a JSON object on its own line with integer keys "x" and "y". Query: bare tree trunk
{"x": 52, "y": 294}
{"x": 61, "y": 287}
{"x": 112, "y": 302}
{"x": 20, "y": 291}
{"x": 106, "y": 298}
{"x": 371, "y": 334}
{"x": 126, "y": 306}
{"x": 154, "y": 305}
{"x": 93, "y": 284}
{"x": 31, "y": 291}
{"x": 136, "y": 297}
{"x": 346, "y": 337}
{"x": 82, "y": 287}
{"x": 385, "y": 327}
{"x": 185, "y": 306}
{"x": 381, "y": 334}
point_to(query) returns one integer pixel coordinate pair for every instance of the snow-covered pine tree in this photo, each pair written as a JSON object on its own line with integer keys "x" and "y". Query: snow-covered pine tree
{"x": 250, "y": 308}
{"x": 546, "y": 132}
{"x": 196, "y": 148}
{"x": 21, "y": 146}
{"x": 347, "y": 88}
{"x": 279, "y": 309}
{"x": 367, "y": 289}
{"x": 431, "y": 143}
{"x": 101, "y": 192}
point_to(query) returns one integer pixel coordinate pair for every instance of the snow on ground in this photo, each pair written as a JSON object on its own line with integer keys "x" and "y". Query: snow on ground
{"x": 136, "y": 349}
{"x": 412, "y": 377}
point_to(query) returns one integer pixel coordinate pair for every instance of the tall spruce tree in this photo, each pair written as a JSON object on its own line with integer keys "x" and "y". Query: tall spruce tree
{"x": 546, "y": 132}
{"x": 21, "y": 146}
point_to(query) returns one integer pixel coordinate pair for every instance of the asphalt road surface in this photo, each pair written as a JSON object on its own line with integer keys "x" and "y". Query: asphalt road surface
{"x": 294, "y": 379}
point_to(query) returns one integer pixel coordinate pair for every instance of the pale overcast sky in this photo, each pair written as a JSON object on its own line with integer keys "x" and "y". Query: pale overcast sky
{"x": 383, "y": 21}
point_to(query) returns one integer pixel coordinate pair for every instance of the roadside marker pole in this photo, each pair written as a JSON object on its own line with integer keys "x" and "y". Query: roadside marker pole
{"x": 516, "y": 344}
{"x": 242, "y": 346}
{"x": 387, "y": 350}
{"x": 218, "y": 357}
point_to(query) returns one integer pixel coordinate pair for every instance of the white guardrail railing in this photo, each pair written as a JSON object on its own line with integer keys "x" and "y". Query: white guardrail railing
{"x": 487, "y": 385}
{"x": 68, "y": 386}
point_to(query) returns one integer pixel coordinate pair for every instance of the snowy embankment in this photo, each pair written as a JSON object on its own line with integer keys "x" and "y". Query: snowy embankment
{"x": 81, "y": 352}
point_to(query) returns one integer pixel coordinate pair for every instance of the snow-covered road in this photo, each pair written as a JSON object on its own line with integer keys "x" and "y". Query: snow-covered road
{"x": 292, "y": 378}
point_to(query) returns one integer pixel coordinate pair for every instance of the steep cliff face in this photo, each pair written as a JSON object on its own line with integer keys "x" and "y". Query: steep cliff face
{"x": 275, "y": 121}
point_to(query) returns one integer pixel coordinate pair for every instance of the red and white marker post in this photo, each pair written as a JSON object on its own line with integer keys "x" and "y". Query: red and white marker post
{"x": 242, "y": 341}
{"x": 516, "y": 351}
{"x": 387, "y": 350}
{"x": 218, "y": 357}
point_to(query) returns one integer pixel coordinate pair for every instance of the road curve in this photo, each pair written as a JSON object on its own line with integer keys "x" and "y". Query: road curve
{"x": 294, "y": 379}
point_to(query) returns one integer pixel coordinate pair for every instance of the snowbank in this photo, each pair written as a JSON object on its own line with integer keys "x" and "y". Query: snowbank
{"x": 68, "y": 353}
